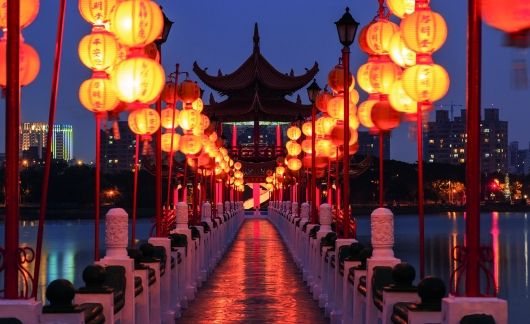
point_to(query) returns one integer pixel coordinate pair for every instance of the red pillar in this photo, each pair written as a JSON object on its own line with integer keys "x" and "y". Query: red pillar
{"x": 234, "y": 136}
{"x": 473, "y": 148}
{"x": 346, "y": 158}
{"x": 313, "y": 188}
{"x": 420, "y": 190}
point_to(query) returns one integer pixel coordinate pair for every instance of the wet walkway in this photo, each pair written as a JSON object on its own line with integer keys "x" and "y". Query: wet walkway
{"x": 256, "y": 282}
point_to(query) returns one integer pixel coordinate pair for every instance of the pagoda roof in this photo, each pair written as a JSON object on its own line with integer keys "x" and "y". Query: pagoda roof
{"x": 256, "y": 90}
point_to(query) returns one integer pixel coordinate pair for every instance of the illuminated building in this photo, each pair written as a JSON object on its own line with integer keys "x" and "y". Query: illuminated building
{"x": 118, "y": 154}
{"x": 33, "y": 141}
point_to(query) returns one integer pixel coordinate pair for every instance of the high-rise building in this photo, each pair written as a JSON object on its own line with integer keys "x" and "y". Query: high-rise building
{"x": 369, "y": 145}
{"x": 118, "y": 154}
{"x": 33, "y": 141}
{"x": 446, "y": 140}
{"x": 519, "y": 160}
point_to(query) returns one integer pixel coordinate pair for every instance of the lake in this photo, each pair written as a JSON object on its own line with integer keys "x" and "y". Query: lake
{"x": 68, "y": 248}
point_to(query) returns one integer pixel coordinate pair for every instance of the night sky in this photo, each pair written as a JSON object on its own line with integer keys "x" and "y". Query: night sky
{"x": 294, "y": 34}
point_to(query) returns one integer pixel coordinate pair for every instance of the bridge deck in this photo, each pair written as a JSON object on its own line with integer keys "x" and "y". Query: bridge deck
{"x": 256, "y": 282}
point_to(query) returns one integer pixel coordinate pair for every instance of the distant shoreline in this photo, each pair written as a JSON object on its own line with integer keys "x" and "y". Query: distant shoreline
{"x": 32, "y": 213}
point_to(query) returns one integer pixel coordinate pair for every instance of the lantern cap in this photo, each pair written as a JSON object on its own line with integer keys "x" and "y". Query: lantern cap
{"x": 313, "y": 90}
{"x": 346, "y": 28}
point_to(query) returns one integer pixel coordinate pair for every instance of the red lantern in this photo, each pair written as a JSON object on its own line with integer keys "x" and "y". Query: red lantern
{"x": 384, "y": 117}
{"x": 336, "y": 79}
{"x": 189, "y": 91}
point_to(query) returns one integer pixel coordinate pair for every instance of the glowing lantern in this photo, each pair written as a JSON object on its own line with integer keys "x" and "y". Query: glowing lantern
{"x": 238, "y": 165}
{"x": 321, "y": 101}
{"x": 383, "y": 75}
{"x": 424, "y": 31}
{"x": 96, "y": 12}
{"x": 400, "y": 100}
{"x": 294, "y": 133}
{"x": 190, "y": 144}
{"x": 363, "y": 42}
{"x": 426, "y": 82}
{"x": 144, "y": 121}
{"x": 307, "y": 146}
{"x": 98, "y": 50}
{"x": 363, "y": 76}
{"x": 197, "y": 105}
{"x": 354, "y": 97}
{"x": 510, "y": 16}
{"x": 293, "y": 148}
{"x": 189, "y": 91}
{"x": 365, "y": 113}
{"x": 269, "y": 186}
{"x": 204, "y": 122}
{"x": 268, "y": 179}
{"x": 169, "y": 95}
{"x": 137, "y": 23}
{"x": 307, "y": 129}
{"x": 400, "y": 53}
{"x": 294, "y": 164}
{"x": 97, "y": 94}
{"x": 213, "y": 137}
{"x": 400, "y": 8}
{"x": 280, "y": 170}
{"x": 166, "y": 142}
{"x": 29, "y": 63}
{"x": 28, "y": 12}
{"x": 384, "y": 116}
{"x": 238, "y": 182}
{"x": 336, "y": 79}
{"x": 323, "y": 147}
{"x": 138, "y": 79}
{"x": 324, "y": 125}
{"x": 337, "y": 136}
{"x": 379, "y": 34}
{"x": 336, "y": 108}
{"x": 238, "y": 174}
{"x": 189, "y": 119}
{"x": 169, "y": 118}
{"x": 354, "y": 121}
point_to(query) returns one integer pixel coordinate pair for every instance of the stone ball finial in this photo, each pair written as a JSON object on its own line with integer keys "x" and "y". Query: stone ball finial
{"x": 207, "y": 211}
{"x": 60, "y": 293}
{"x": 304, "y": 211}
{"x": 148, "y": 250}
{"x": 382, "y": 230}
{"x": 94, "y": 276}
{"x": 403, "y": 274}
{"x": 294, "y": 206}
{"x": 182, "y": 213}
{"x": 325, "y": 216}
{"x": 219, "y": 210}
{"x": 431, "y": 290}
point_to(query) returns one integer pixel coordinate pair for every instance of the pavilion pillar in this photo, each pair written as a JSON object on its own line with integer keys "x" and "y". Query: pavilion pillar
{"x": 234, "y": 136}
{"x": 278, "y": 137}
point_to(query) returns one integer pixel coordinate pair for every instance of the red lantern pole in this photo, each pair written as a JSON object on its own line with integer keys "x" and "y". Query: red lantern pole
{"x": 381, "y": 170}
{"x": 171, "y": 153}
{"x": 474, "y": 58}
{"x": 314, "y": 216}
{"x": 346, "y": 157}
{"x": 12, "y": 151}
{"x": 49, "y": 139}
{"x": 135, "y": 190}
{"x": 421, "y": 215}
{"x": 98, "y": 186}
{"x": 195, "y": 193}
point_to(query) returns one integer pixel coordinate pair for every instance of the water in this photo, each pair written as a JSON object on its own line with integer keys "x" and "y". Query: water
{"x": 68, "y": 248}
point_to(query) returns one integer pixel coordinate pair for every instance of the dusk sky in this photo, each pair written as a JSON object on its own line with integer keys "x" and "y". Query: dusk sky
{"x": 294, "y": 34}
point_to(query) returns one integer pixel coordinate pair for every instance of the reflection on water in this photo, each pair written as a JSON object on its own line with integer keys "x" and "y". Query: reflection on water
{"x": 68, "y": 249}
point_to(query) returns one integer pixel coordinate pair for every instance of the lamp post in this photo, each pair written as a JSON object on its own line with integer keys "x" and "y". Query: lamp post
{"x": 312, "y": 92}
{"x": 346, "y": 28}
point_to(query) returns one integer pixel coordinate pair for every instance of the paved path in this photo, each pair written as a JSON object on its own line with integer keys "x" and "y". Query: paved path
{"x": 256, "y": 282}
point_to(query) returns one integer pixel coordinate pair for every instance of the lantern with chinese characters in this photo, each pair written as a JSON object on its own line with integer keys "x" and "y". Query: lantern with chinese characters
{"x": 189, "y": 119}
{"x": 336, "y": 79}
{"x": 167, "y": 144}
{"x": 307, "y": 146}
{"x": 323, "y": 147}
{"x": 136, "y": 23}
{"x": 138, "y": 79}
{"x": 96, "y": 12}
{"x": 197, "y": 105}
{"x": 294, "y": 164}
{"x": 28, "y": 12}
{"x": 29, "y": 63}
{"x": 189, "y": 91}
{"x": 169, "y": 118}
{"x": 98, "y": 50}
{"x": 363, "y": 41}
{"x": 294, "y": 133}
{"x": 336, "y": 108}
{"x": 400, "y": 100}
{"x": 384, "y": 117}
{"x": 379, "y": 34}
{"x": 382, "y": 75}
{"x": 337, "y": 135}
{"x": 97, "y": 94}
{"x": 324, "y": 125}
{"x": 204, "y": 122}
{"x": 144, "y": 121}
{"x": 293, "y": 148}
{"x": 321, "y": 101}
{"x": 190, "y": 144}
{"x": 363, "y": 75}
{"x": 364, "y": 112}
{"x": 169, "y": 94}
{"x": 425, "y": 82}
{"x": 400, "y": 53}
{"x": 401, "y": 8}
{"x": 238, "y": 165}
{"x": 424, "y": 31}
{"x": 307, "y": 129}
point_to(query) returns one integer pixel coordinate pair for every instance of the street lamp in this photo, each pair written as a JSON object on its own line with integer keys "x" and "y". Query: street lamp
{"x": 346, "y": 28}
{"x": 312, "y": 92}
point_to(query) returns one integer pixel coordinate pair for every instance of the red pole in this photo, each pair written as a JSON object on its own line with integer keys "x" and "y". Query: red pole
{"x": 346, "y": 157}
{"x": 49, "y": 138}
{"x": 158, "y": 162}
{"x": 313, "y": 188}
{"x": 135, "y": 190}
{"x": 12, "y": 151}
{"x": 195, "y": 197}
{"x": 473, "y": 148}
{"x": 170, "y": 172}
{"x": 381, "y": 173}
{"x": 98, "y": 185}
{"x": 420, "y": 191}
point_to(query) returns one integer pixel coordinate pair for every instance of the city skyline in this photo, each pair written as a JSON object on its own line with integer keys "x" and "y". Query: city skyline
{"x": 313, "y": 39}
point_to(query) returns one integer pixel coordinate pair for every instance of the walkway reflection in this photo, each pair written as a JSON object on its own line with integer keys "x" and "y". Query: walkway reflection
{"x": 257, "y": 282}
